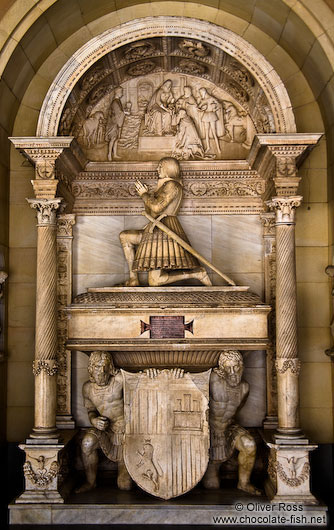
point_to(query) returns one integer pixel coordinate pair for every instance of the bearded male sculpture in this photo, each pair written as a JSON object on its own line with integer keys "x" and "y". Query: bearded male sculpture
{"x": 228, "y": 393}
{"x": 103, "y": 399}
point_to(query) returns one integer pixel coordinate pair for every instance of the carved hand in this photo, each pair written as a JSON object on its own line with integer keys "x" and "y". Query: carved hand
{"x": 101, "y": 423}
{"x": 140, "y": 188}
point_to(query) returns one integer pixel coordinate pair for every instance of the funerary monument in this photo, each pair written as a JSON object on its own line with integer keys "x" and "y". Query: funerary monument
{"x": 166, "y": 154}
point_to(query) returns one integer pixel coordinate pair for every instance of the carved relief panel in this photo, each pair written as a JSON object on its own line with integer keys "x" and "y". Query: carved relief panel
{"x": 166, "y": 96}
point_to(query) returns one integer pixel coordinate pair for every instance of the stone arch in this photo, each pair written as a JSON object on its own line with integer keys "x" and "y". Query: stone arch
{"x": 149, "y": 27}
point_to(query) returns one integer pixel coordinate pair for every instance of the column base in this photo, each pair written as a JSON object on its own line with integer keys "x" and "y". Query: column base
{"x": 65, "y": 421}
{"x": 44, "y": 433}
{"x": 270, "y": 423}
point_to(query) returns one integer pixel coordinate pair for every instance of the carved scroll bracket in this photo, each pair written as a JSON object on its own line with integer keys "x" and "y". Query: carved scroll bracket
{"x": 57, "y": 160}
{"x": 277, "y": 157}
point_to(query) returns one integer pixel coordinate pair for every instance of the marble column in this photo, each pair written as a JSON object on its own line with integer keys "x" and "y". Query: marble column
{"x": 287, "y": 362}
{"x": 45, "y": 363}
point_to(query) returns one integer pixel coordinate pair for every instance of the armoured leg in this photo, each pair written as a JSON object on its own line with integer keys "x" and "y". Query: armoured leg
{"x": 129, "y": 240}
{"x": 161, "y": 277}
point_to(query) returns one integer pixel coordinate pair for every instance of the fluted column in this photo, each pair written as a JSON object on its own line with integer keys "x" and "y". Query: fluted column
{"x": 287, "y": 362}
{"x": 45, "y": 363}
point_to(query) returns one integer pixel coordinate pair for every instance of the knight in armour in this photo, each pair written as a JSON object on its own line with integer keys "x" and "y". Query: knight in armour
{"x": 228, "y": 393}
{"x": 153, "y": 250}
{"x": 103, "y": 399}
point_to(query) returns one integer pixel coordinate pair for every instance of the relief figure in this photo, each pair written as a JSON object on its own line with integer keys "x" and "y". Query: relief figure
{"x": 103, "y": 399}
{"x": 228, "y": 393}
{"x": 159, "y": 112}
{"x": 188, "y": 144}
{"x": 188, "y": 102}
{"x": 212, "y": 119}
{"x": 114, "y": 124}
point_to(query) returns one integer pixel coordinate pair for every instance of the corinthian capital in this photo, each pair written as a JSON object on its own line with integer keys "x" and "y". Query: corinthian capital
{"x": 46, "y": 210}
{"x": 285, "y": 208}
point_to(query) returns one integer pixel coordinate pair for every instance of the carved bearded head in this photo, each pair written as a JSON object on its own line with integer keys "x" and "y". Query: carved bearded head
{"x": 231, "y": 366}
{"x": 101, "y": 367}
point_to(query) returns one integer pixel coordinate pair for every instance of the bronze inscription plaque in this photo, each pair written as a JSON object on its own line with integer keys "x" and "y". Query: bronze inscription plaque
{"x": 167, "y": 327}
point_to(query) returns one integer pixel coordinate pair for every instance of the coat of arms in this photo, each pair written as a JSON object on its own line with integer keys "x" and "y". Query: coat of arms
{"x": 166, "y": 446}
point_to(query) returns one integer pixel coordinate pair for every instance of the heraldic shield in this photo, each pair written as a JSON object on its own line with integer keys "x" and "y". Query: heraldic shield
{"x": 166, "y": 446}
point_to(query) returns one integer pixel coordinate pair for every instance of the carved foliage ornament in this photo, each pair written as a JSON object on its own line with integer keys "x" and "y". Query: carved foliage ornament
{"x": 294, "y": 481}
{"x": 46, "y": 210}
{"x": 42, "y": 477}
{"x": 285, "y": 208}
{"x": 49, "y": 367}
{"x": 285, "y": 365}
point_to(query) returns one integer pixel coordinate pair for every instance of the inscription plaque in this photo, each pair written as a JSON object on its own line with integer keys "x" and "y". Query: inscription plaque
{"x": 166, "y": 327}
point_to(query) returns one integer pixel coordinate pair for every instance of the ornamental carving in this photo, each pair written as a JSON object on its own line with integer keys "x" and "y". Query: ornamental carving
{"x": 46, "y": 210}
{"x": 39, "y": 366}
{"x": 219, "y": 125}
{"x": 289, "y": 472}
{"x": 285, "y": 365}
{"x": 285, "y": 208}
{"x": 42, "y": 476}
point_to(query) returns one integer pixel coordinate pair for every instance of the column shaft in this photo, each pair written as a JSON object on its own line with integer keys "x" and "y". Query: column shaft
{"x": 287, "y": 363}
{"x": 45, "y": 363}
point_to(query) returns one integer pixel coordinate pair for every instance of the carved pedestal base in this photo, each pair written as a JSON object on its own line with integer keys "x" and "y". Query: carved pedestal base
{"x": 289, "y": 472}
{"x": 45, "y": 470}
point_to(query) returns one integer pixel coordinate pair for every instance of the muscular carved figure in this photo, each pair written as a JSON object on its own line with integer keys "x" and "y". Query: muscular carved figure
{"x": 153, "y": 250}
{"x": 103, "y": 399}
{"x": 228, "y": 393}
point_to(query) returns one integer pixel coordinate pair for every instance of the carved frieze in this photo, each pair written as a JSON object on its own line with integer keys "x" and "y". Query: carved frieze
{"x": 208, "y": 188}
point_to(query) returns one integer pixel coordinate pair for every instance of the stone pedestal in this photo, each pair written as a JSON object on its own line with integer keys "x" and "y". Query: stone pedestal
{"x": 46, "y": 469}
{"x": 289, "y": 472}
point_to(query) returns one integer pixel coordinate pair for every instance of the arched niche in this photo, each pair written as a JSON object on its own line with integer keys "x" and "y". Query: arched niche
{"x": 158, "y": 48}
